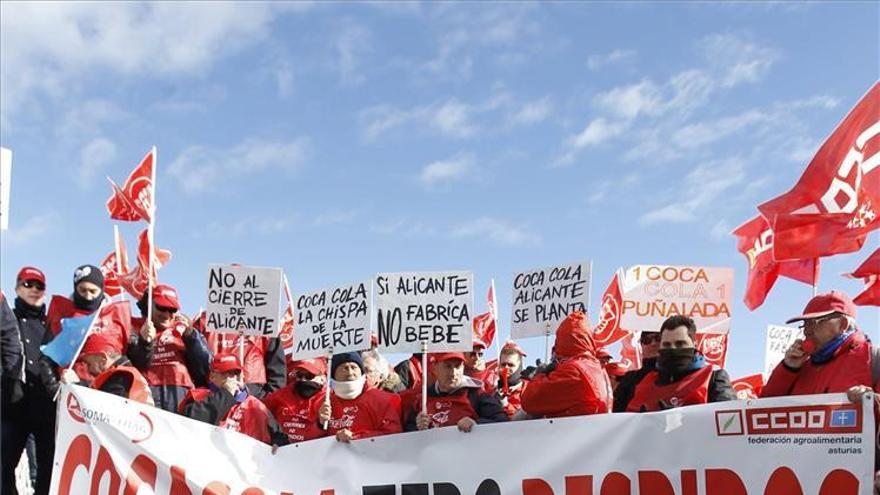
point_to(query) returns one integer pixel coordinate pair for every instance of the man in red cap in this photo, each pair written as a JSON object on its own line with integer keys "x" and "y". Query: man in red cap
{"x": 573, "y": 385}
{"x": 295, "y": 406}
{"x": 475, "y": 367}
{"x": 454, "y": 399}
{"x": 180, "y": 357}
{"x": 834, "y": 355}
{"x": 265, "y": 366}
{"x": 511, "y": 383}
{"x": 226, "y": 403}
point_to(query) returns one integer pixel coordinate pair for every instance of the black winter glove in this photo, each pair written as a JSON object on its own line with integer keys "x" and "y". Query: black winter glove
{"x": 529, "y": 373}
{"x": 49, "y": 375}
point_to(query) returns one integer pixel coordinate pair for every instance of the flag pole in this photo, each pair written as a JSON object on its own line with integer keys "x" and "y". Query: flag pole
{"x": 118, "y": 260}
{"x": 497, "y": 325}
{"x": 815, "y": 276}
{"x": 424, "y": 349}
{"x": 105, "y": 302}
{"x": 151, "y": 234}
{"x": 547, "y": 344}
{"x": 326, "y": 385}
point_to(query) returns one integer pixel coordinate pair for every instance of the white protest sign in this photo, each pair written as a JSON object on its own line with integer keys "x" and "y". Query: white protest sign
{"x": 243, "y": 299}
{"x": 652, "y": 293}
{"x": 5, "y": 186}
{"x": 432, "y": 307}
{"x": 779, "y": 339}
{"x": 335, "y": 319}
{"x": 543, "y": 297}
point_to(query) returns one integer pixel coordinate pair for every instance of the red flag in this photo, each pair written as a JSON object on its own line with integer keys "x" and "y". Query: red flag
{"x": 869, "y": 271}
{"x": 137, "y": 281}
{"x": 286, "y": 333}
{"x": 713, "y": 347}
{"x": 134, "y": 200}
{"x": 631, "y": 351}
{"x": 755, "y": 242}
{"x": 607, "y": 330}
{"x": 114, "y": 269}
{"x": 748, "y": 387}
{"x": 839, "y": 191}
{"x": 485, "y": 324}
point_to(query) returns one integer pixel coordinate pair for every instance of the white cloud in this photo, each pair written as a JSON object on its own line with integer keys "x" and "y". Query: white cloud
{"x": 702, "y": 186}
{"x": 200, "y": 168}
{"x": 739, "y": 59}
{"x": 32, "y": 229}
{"x": 597, "y": 132}
{"x": 450, "y": 118}
{"x": 446, "y": 171}
{"x": 353, "y": 42}
{"x": 702, "y": 133}
{"x": 94, "y": 157}
{"x": 597, "y": 61}
{"x": 49, "y": 48}
{"x": 533, "y": 112}
{"x": 632, "y": 100}
{"x": 721, "y": 230}
{"x": 87, "y": 119}
{"x": 497, "y": 231}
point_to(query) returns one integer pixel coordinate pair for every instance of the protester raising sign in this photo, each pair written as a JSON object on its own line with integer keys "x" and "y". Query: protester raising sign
{"x": 779, "y": 339}
{"x": 543, "y": 297}
{"x": 243, "y": 299}
{"x": 653, "y": 293}
{"x": 431, "y": 307}
{"x": 332, "y": 320}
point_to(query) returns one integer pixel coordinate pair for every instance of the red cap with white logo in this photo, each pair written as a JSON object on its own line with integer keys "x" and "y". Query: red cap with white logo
{"x": 225, "y": 362}
{"x": 31, "y": 273}
{"x": 165, "y": 296}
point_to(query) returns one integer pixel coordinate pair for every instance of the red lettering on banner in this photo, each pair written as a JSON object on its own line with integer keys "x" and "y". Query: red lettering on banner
{"x": 216, "y": 488}
{"x": 104, "y": 464}
{"x": 689, "y": 482}
{"x": 724, "y": 482}
{"x": 654, "y": 483}
{"x": 804, "y": 419}
{"x": 615, "y": 484}
{"x": 536, "y": 486}
{"x": 579, "y": 485}
{"x": 143, "y": 470}
{"x": 783, "y": 480}
{"x": 840, "y": 482}
{"x": 78, "y": 454}
{"x": 178, "y": 482}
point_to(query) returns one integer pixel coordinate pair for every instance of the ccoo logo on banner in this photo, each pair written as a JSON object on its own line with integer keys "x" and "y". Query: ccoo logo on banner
{"x": 818, "y": 444}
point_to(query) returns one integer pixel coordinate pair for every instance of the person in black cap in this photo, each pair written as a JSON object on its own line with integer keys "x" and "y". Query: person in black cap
{"x": 28, "y": 408}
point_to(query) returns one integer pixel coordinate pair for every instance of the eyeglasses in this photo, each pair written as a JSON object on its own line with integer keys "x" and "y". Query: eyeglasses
{"x": 649, "y": 338}
{"x": 31, "y": 284}
{"x": 166, "y": 309}
{"x": 816, "y": 321}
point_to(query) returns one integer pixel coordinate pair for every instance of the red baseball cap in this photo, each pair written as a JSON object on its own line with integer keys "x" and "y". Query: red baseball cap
{"x": 513, "y": 346}
{"x": 317, "y": 366}
{"x": 225, "y": 362}
{"x": 165, "y": 296}
{"x": 31, "y": 273}
{"x": 826, "y": 304}
{"x": 447, "y": 356}
{"x": 479, "y": 344}
{"x": 98, "y": 343}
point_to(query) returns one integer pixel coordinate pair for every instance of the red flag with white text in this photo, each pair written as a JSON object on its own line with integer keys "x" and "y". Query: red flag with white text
{"x": 115, "y": 267}
{"x": 631, "y": 351}
{"x": 869, "y": 271}
{"x": 134, "y": 200}
{"x": 713, "y": 347}
{"x": 755, "y": 241}
{"x": 607, "y": 330}
{"x": 485, "y": 323}
{"x": 836, "y": 201}
{"x": 137, "y": 281}
{"x": 287, "y": 322}
{"x": 748, "y": 387}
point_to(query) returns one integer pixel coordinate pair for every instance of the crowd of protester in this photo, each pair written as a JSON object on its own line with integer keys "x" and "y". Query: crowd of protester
{"x": 164, "y": 359}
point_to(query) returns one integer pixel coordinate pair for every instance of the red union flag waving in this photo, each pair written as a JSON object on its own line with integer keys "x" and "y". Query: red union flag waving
{"x": 485, "y": 324}
{"x": 713, "y": 347}
{"x": 607, "y": 330}
{"x": 287, "y": 322}
{"x": 134, "y": 200}
{"x": 836, "y": 201}
{"x": 137, "y": 281}
{"x": 115, "y": 267}
{"x": 755, "y": 242}
{"x": 748, "y": 387}
{"x": 869, "y": 271}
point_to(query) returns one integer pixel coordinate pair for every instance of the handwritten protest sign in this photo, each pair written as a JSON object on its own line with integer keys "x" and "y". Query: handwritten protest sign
{"x": 779, "y": 339}
{"x": 243, "y": 299}
{"x": 335, "y": 319}
{"x": 432, "y": 307}
{"x": 653, "y": 293}
{"x": 543, "y": 297}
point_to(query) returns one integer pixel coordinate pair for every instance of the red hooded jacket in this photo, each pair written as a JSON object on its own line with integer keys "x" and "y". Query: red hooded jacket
{"x": 850, "y": 366}
{"x": 373, "y": 413}
{"x": 579, "y": 384}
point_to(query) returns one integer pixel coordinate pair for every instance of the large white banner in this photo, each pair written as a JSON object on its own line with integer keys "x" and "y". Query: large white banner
{"x": 779, "y": 339}
{"x": 432, "y": 307}
{"x": 543, "y": 297}
{"x": 243, "y": 299}
{"x": 332, "y": 320}
{"x": 818, "y": 445}
{"x": 652, "y": 293}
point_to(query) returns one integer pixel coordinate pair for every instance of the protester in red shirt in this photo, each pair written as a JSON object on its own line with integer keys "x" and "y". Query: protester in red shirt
{"x": 295, "y": 406}
{"x": 178, "y": 350}
{"x": 355, "y": 410}
{"x": 575, "y": 384}
{"x": 88, "y": 295}
{"x": 454, "y": 399}
{"x": 511, "y": 383}
{"x": 227, "y": 404}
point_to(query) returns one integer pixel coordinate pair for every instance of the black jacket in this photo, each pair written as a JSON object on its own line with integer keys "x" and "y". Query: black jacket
{"x": 626, "y": 386}
{"x": 213, "y": 408}
{"x": 720, "y": 388}
{"x": 11, "y": 353}
{"x": 487, "y": 406}
{"x": 34, "y": 333}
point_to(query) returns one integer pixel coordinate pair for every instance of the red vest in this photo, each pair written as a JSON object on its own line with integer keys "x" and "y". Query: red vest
{"x": 372, "y": 413}
{"x": 168, "y": 366}
{"x": 254, "y": 353}
{"x": 297, "y": 416}
{"x": 690, "y": 390}
{"x": 250, "y": 417}
{"x": 514, "y": 398}
{"x": 113, "y": 322}
{"x": 139, "y": 391}
{"x": 448, "y": 409}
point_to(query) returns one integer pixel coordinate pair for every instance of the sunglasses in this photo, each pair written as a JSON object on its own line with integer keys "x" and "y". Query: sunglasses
{"x": 817, "y": 321}
{"x": 30, "y": 284}
{"x": 649, "y": 338}
{"x": 166, "y": 309}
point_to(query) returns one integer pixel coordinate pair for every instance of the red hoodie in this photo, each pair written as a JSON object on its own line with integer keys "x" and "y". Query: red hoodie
{"x": 579, "y": 384}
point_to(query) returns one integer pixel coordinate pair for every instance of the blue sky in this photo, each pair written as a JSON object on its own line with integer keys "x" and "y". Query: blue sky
{"x": 341, "y": 140}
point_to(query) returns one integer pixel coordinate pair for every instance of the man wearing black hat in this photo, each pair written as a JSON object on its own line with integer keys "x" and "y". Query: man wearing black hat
{"x": 355, "y": 410}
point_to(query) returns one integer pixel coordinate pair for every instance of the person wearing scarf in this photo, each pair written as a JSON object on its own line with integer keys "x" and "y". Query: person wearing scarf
{"x": 357, "y": 410}
{"x": 682, "y": 377}
{"x": 295, "y": 406}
